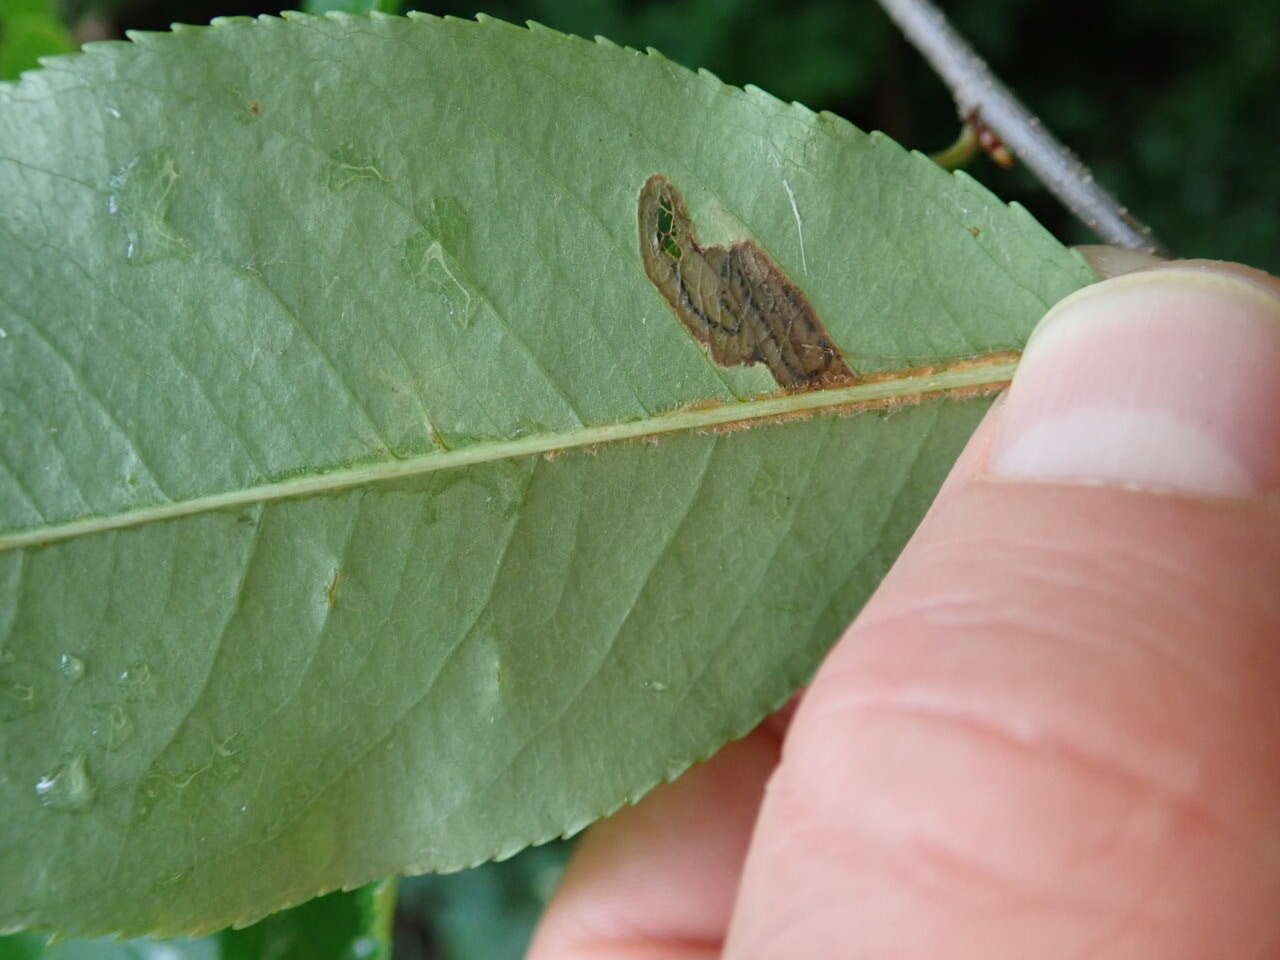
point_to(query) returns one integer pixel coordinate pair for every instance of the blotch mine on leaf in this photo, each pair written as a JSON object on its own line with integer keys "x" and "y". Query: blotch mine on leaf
{"x": 735, "y": 300}
{"x": 141, "y": 193}
{"x": 349, "y": 164}
{"x": 434, "y": 270}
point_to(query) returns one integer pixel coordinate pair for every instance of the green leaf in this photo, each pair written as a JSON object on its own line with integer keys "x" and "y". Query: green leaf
{"x": 351, "y": 6}
{"x": 290, "y": 597}
{"x": 353, "y": 925}
{"x": 29, "y": 29}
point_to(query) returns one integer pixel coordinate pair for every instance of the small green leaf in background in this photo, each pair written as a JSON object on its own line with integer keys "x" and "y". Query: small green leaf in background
{"x": 321, "y": 409}
{"x": 338, "y": 926}
{"x": 29, "y": 29}
{"x": 355, "y": 925}
{"x": 351, "y": 6}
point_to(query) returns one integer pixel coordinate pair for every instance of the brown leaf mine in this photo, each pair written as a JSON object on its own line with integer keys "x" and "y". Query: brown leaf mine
{"x": 735, "y": 300}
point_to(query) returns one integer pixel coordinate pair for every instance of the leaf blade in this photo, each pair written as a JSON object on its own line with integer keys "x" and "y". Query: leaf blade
{"x": 387, "y": 645}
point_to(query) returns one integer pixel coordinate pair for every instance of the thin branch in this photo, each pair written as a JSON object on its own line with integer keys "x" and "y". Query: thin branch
{"x": 977, "y": 91}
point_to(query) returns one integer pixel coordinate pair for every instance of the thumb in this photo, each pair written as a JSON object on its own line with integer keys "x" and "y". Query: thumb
{"x": 1054, "y": 731}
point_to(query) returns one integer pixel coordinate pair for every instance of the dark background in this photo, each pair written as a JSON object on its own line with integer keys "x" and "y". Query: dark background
{"x": 1176, "y": 105}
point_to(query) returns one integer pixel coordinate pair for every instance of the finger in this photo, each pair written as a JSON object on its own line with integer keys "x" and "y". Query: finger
{"x": 657, "y": 881}
{"x": 1053, "y": 732}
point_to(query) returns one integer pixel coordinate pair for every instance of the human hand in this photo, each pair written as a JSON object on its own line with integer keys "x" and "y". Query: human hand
{"x": 1054, "y": 731}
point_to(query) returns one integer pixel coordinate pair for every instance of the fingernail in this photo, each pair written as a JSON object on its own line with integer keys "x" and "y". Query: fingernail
{"x": 1162, "y": 379}
{"x": 1114, "y": 261}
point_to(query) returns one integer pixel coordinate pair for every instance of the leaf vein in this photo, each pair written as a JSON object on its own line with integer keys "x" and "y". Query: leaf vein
{"x": 991, "y": 374}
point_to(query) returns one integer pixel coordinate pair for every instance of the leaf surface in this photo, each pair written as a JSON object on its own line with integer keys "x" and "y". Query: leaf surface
{"x": 328, "y": 545}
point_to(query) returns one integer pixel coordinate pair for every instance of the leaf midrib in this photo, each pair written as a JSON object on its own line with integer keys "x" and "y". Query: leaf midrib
{"x": 886, "y": 390}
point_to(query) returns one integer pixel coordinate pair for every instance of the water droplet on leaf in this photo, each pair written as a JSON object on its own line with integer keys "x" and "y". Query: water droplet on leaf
{"x": 136, "y": 673}
{"x": 68, "y": 788}
{"x": 137, "y": 683}
{"x": 70, "y": 666}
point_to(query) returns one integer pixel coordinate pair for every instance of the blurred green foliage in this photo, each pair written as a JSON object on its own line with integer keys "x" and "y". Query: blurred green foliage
{"x": 355, "y": 925}
{"x": 351, "y": 6}
{"x": 346, "y": 926}
{"x": 1174, "y": 105}
{"x": 483, "y": 914}
{"x": 29, "y": 29}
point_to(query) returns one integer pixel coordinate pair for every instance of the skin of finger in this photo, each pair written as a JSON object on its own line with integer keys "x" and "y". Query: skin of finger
{"x": 1053, "y": 732}
{"x": 657, "y": 881}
